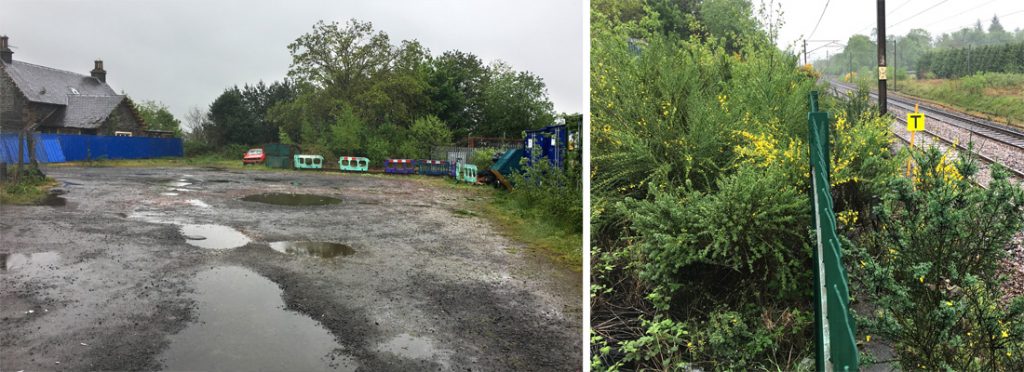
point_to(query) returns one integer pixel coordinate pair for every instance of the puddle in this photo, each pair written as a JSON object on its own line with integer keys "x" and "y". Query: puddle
{"x": 409, "y": 346}
{"x": 243, "y": 325}
{"x": 213, "y": 236}
{"x": 178, "y": 183}
{"x": 219, "y": 181}
{"x": 198, "y": 203}
{"x": 19, "y": 260}
{"x": 277, "y": 198}
{"x": 54, "y": 201}
{"x": 316, "y": 249}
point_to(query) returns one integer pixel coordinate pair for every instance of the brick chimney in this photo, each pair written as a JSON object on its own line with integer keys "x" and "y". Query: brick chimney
{"x": 6, "y": 54}
{"x": 98, "y": 72}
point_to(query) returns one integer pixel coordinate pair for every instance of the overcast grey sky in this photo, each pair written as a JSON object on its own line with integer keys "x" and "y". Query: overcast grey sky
{"x": 844, "y": 18}
{"x": 184, "y": 53}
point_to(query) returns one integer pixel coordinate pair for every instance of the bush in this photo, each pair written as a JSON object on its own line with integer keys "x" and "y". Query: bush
{"x": 550, "y": 193}
{"x": 482, "y": 158}
{"x": 931, "y": 268}
{"x": 425, "y": 133}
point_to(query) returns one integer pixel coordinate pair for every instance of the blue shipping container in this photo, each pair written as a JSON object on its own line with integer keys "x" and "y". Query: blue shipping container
{"x": 548, "y": 142}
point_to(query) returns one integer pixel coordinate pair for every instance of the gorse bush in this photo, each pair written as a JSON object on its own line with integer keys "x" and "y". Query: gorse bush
{"x": 931, "y": 268}
{"x": 700, "y": 211}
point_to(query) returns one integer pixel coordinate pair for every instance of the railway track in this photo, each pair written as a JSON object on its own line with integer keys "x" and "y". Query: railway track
{"x": 1011, "y": 138}
{"x": 983, "y": 128}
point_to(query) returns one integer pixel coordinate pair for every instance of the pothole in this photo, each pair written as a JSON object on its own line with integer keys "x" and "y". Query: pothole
{"x": 315, "y": 249}
{"x": 300, "y": 200}
{"x": 52, "y": 200}
{"x": 14, "y": 261}
{"x": 409, "y": 346}
{"x": 213, "y": 236}
{"x": 243, "y": 326}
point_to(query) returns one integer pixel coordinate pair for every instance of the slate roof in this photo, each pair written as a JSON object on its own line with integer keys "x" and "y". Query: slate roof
{"x": 87, "y": 101}
{"x": 89, "y": 111}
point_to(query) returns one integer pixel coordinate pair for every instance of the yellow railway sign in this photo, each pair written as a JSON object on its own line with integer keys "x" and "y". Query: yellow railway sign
{"x": 915, "y": 121}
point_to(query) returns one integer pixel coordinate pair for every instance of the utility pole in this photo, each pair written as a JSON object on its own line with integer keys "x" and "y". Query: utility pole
{"x": 805, "y": 51}
{"x": 882, "y": 99}
{"x": 895, "y": 62}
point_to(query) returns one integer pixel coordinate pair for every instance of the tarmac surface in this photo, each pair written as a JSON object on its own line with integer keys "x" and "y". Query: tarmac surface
{"x": 141, "y": 269}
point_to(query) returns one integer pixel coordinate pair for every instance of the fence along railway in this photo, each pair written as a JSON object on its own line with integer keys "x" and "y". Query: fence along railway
{"x": 1010, "y": 140}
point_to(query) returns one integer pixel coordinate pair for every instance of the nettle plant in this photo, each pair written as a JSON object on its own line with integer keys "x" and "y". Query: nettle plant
{"x": 930, "y": 268}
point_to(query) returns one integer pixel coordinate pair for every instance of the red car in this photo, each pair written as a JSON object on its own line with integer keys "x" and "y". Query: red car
{"x": 254, "y": 156}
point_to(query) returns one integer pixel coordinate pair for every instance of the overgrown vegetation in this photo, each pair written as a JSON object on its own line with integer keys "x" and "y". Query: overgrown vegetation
{"x": 928, "y": 266}
{"x": 351, "y": 91}
{"x": 30, "y": 188}
{"x": 701, "y": 223}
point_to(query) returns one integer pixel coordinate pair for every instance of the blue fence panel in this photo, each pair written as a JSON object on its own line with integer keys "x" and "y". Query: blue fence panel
{"x": 82, "y": 147}
{"x": 48, "y": 149}
{"x": 55, "y": 148}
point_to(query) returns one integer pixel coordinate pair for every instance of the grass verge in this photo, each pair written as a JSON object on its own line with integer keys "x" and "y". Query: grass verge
{"x": 537, "y": 232}
{"x": 524, "y": 225}
{"x": 26, "y": 192}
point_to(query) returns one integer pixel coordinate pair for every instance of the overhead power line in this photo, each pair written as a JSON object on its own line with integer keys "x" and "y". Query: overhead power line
{"x": 916, "y": 14}
{"x": 819, "y": 19}
{"x": 961, "y": 13}
{"x": 1001, "y": 16}
{"x": 898, "y": 8}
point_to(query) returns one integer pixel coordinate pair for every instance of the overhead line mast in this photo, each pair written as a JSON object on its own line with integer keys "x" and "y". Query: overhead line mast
{"x": 882, "y": 99}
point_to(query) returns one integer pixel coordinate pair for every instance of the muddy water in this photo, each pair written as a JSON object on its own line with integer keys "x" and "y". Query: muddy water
{"x": 302, "y": 200}
{"x": 213, "y": 236}
{"x": 18, "y": 260}
{"x": 315, "y": 249}
{"x": 243, "y": 326}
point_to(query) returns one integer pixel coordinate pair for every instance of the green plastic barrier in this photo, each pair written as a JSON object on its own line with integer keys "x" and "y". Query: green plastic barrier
{"x": 468, "y": 173}
{"x": 309, "y": 162}
{"x": 353, "y": 164}
{"x": 836, "y": 331}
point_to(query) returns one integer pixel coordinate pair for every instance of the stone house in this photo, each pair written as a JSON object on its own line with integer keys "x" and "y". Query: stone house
{"x": 62, "y": 101}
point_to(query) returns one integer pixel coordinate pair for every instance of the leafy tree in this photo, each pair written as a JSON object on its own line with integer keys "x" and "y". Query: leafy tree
{"x": 347, "y": 133}
{"x": 427, "y": 132}
{"x": 344, "y": 59}
{"x": 158, "y": 117}
{"x": 732, "y": 21}
{"x": 513, "y": 102}
{"x": 457, "y": 81}
{"x": 399, "y": 92}
{"x": 229, "y": 119}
